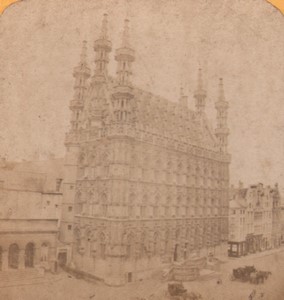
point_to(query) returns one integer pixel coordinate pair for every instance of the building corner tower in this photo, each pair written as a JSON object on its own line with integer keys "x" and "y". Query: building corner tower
{"x": 222, "y": 130}
{"x": 81, "y": 74}
{"x": 123, "y": 91}
{"x": 222, "y": 133}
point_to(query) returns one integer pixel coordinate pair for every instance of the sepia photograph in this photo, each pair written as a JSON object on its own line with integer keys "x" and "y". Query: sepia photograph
{"x": 141, "y": 149}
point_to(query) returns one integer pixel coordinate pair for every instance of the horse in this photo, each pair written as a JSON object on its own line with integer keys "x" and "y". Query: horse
{"x": 253, "y": 278}
{"x": 266, "y": 274}
{"x": 257, "y": 277}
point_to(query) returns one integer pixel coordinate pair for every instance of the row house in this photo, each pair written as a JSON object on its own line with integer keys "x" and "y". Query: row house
{"x": 254, "y": 219}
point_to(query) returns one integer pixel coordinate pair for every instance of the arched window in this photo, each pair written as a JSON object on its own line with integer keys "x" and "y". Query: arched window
{"x": 196, "y": 238}
{"x": 131, "y": 199}
{"x": 143, "y": 245}
{"x": 177, "y": 234}
{"x": 158, "y": 164}
{"x": 44, "y": 252}
{"x": 205, "y": 172}
{"x": 156, "y": 244}
{"x": 79, "y": 204}
{"x": 145, "y": 199}
{"x": 102, "y": 246}
{"x": 167, "y": 207}
{"x": 180, "y": 167}
{"x": 169, "y": 165}
{"x": 178, "y": 206}
{"x": 167, "y": 237}
{"x": 143, "y": 206}
{"x": 104, "y": 204}
{"x": 188, "y": 168}
{"x": 130, "y": 243}
{"x": 89, "y": 242}
{"x": 13, "y": 257}
{"x": 29, "y": 255}
{"x": 131, "y": 211}
{"x": 156, "y": 206}
{"x": 81, "y": 160}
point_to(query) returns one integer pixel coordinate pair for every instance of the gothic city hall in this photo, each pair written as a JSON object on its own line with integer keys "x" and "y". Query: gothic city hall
{"x": 147, "y": 179}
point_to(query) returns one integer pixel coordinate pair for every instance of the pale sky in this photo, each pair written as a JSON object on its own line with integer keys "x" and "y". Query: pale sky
{"x": 241, "y": 41}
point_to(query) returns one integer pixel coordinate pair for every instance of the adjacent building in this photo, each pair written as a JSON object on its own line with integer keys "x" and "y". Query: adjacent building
{"x": 146, "y": 179}
{"x": 282, "y": 219}
{"x": 254, "y": 219}
{"x": 30, "y": 207}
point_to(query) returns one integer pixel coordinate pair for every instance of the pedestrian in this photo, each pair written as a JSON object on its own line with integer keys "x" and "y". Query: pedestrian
{"x": 252, "y": 294}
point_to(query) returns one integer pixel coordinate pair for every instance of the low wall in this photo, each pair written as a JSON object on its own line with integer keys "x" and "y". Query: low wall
{"x": 81, "y": 274}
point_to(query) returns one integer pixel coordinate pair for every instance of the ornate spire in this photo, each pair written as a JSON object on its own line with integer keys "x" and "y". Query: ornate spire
{"x": 200, "y": 94}
{"x": 123, "y": 93}
{"x": 104, "y": 27}
{"x": 81, "y": 74}
{"x": 221, "y": 90}
{"x": 82, "y": 67}
{"x": 125, "y": 56}
{"x": 102, "y": 48}
{"x": 222, "y": 130}
{"x": 82, "y": 71}
{"x": 125, "y": 35}
{"x": 84, "y": 53}
{"x": 200, "y": 81}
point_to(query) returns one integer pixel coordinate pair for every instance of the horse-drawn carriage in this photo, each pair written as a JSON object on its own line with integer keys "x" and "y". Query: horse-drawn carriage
{"x": 176, "y": 291}
{"x": 249, "y": 273}
{"x": 243, "y": 274}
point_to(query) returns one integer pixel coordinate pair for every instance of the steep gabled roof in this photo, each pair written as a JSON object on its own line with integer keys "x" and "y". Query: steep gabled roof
{"x": 154, "y": 113}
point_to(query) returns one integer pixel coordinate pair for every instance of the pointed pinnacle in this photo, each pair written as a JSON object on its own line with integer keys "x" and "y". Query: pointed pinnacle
{"x": 200, "y": 82}
{"x": 200, "y": 90}
{"x": 84, "y": 53}
{"x": 125, "y": 35}
{"x": 104, "y": 27}
{"x": 221, "y": 90}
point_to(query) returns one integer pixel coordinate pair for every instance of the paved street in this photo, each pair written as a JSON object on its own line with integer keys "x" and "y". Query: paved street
{"x": 58, "y": 287}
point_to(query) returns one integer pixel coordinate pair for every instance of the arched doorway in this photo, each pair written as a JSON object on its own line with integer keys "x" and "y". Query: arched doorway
{"x": 29, "y": 255}
{"x": 62, "y": 258}
{"x": 13, "y": 257}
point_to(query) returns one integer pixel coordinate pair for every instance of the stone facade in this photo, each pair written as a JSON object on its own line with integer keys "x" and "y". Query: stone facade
{"x": 254, "y": 220}
{"x": 146, "y": 179}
